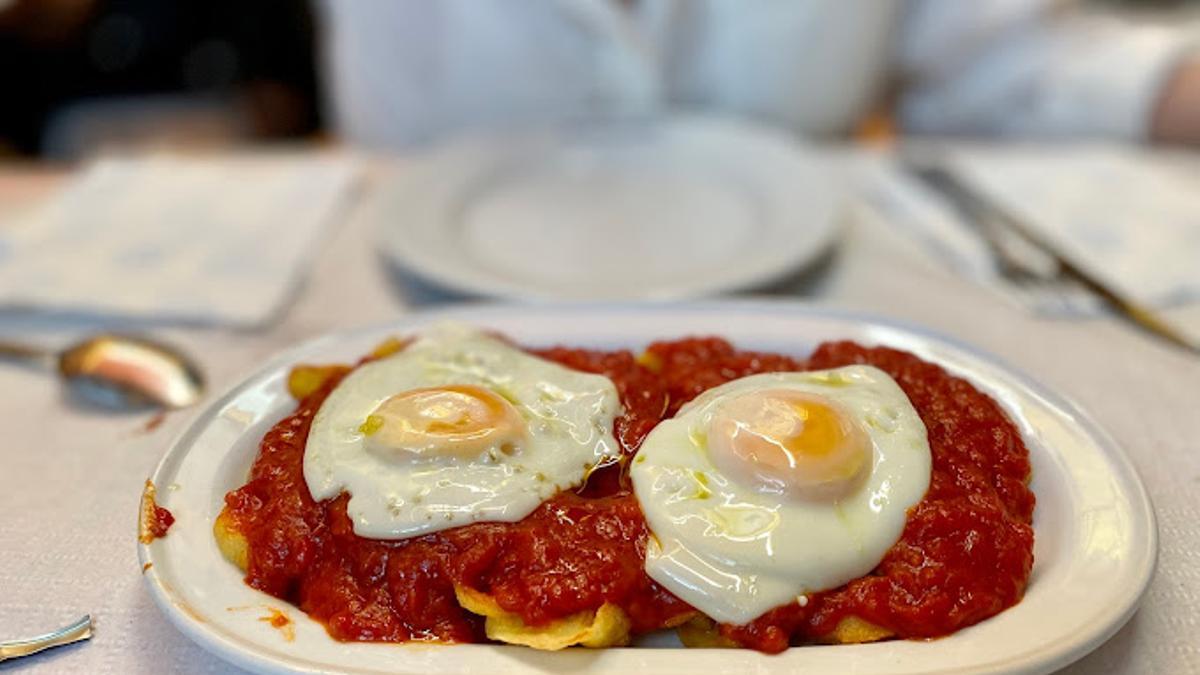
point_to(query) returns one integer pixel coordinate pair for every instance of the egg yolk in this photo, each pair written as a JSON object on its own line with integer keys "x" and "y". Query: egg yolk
{"x": 461, "y": 421}
{"x": 789, "y": 442}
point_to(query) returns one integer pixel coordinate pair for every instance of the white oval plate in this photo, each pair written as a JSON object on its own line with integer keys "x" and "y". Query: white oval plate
{"x": 1095, "y": 550}
{"x": 677, "y": 208}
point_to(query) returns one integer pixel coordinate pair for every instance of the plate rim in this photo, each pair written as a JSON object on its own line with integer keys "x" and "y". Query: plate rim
{"x": 1117, "y": 615}
{"x": 402, "y": 258}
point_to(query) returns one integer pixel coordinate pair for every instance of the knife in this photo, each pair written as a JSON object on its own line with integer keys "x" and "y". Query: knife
{"x": 979, "y": 208}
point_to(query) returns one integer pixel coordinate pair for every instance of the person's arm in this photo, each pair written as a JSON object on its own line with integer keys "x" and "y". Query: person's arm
{"x": 1039, "y": 68}
{"x": 1177, "y": 115}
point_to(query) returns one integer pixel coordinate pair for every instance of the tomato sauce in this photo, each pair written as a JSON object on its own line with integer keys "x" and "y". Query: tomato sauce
{"x": 154, "y": 520}
{"x": 161, "y": 521}
{"x": 965, "y": 553}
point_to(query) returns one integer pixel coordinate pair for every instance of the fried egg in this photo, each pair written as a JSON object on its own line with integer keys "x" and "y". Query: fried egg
{"x": 458, "y": 427}
{"x": 774, "y": 486}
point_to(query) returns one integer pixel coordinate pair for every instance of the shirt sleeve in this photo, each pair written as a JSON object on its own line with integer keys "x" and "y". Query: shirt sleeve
{"x": 1033, "y": 68}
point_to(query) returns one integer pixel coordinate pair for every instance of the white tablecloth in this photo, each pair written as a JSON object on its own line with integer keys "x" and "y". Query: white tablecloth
{"x": 70, "y": 480}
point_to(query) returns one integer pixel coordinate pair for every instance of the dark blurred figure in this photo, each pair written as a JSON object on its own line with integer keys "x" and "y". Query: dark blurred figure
{"x": 78, "y": 74}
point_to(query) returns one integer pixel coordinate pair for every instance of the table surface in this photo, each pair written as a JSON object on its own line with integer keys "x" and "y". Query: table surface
{"x": 70, "y": 479}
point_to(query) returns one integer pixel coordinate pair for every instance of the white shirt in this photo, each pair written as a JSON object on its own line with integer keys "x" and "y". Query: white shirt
{"x": 401, "y": 72}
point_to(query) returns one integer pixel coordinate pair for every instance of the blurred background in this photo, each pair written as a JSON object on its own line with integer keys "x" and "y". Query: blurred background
{"x": 569, "y": 149}
{"x": 590, "y": 149}
{"x": 79, "y": 75}
{"x": 84, "y": 75}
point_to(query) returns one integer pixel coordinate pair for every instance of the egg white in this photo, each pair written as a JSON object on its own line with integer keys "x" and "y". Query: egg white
{"x": 734, "y": 552}
{"x": 568, "y": 415}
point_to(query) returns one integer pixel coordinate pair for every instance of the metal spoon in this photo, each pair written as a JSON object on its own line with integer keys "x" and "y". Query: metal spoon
{"x": 80, "y": 630}
{"x": 118, "y": 372}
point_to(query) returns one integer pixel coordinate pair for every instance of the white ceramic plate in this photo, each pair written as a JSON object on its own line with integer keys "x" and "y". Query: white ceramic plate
{"x": 678, "y": 208}
{"x": 1095, "y": 533}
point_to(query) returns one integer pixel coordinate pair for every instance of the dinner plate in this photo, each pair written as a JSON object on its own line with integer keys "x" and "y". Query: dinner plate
{"x": 1095, "y": 548}
{"x": 681, "y": 207}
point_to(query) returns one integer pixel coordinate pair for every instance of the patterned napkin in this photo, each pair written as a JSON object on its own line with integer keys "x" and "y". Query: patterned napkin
{"x": 204, "y": 240}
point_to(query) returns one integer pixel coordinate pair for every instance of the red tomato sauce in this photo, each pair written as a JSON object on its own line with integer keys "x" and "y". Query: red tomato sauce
{"x": 965, "y": 554}
{"x": 161, "y": 522}
{"x": 154, "y": 521}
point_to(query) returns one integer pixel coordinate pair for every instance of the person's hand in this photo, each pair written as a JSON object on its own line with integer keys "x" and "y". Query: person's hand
{"x": 1177, "y": 116}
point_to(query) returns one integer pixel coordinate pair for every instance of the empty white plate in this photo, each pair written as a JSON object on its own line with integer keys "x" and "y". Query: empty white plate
{"x": 681, "y": 207}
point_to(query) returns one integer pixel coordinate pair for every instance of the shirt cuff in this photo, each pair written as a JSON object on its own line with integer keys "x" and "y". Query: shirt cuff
{"x": 1112, "y": 81}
